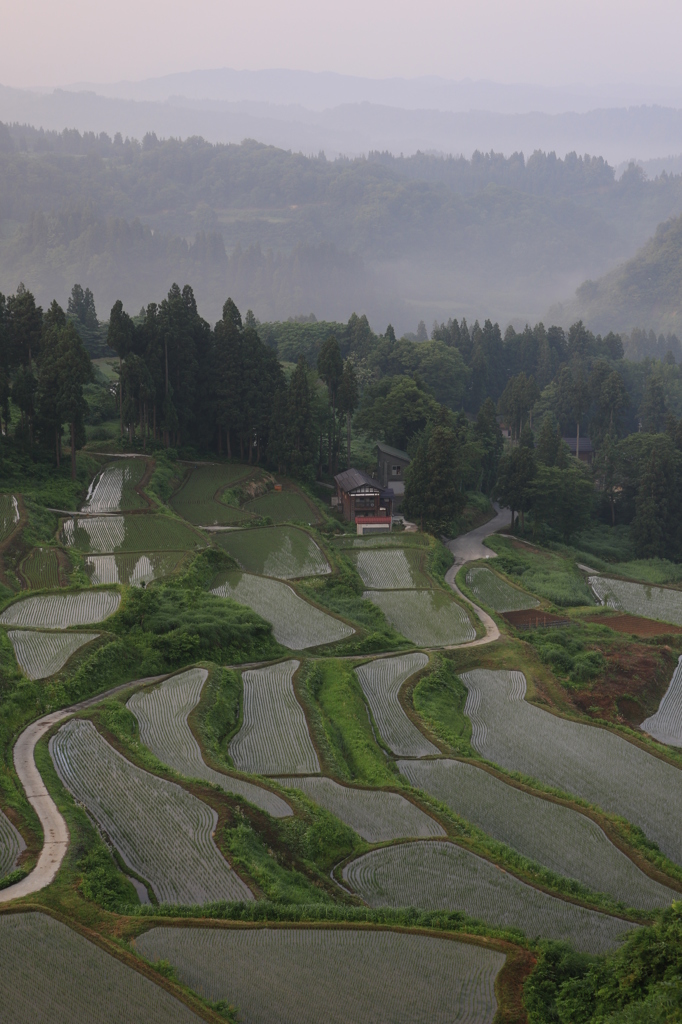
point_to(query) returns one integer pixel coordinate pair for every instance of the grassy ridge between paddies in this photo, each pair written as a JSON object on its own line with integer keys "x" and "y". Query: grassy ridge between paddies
{"x": 161, "y": 831}
{"x": 496, "y": 593}
{"x": 561, "y": 839}
{"x": 312, "y": 975}
{"x": 285, "y": 552}
{"x": 274, "y": 738}
{"x": 381, "y": 681}
{"x": 592, "y": 763}
{"x": 115, "y": 488}
{"x": 638, "y": 599}
{"x": 438, "y": 875}
{"x": 295, "y": 623}
{"x": 62, "y": 977}
{"x": 40, "y": 655}
{"x": 162, "y": 712}
{"x": 375, "y": 815}
{"x": 198, "y": 500}
{"x": 144, "y": 533}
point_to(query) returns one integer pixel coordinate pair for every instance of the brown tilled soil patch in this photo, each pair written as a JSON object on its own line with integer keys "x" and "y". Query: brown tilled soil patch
{"x": 531, "y": 618}
{"x": 634, "y": 624}
{"x": 630, "y": 687}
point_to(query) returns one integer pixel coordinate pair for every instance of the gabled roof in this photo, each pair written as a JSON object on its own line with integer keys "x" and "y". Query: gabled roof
{"x": 395, "y": 452}
{"x": 585, "y": 444}
{"x": 351, "y": 479}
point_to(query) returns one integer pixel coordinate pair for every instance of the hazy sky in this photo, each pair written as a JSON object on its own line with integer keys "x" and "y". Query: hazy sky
{"x": 53, "y": 42}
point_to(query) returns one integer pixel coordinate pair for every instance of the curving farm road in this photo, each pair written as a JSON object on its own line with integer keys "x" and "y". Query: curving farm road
{"x": 54, "y": 827}
{"x": 468, "y": 548}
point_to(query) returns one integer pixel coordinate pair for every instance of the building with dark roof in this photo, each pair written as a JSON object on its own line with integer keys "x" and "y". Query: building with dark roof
{"x": 391, "y": 466}
{"x": 357, "y": 493}
{"x": 586, "y": 452}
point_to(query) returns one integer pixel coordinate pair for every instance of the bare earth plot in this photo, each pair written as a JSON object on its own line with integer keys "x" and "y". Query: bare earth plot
{"x": 40, "y": 655}
{"x": 52, "y": 975}
{"x": 497, "y": 593}
{"x": 113, "y": 490}
{"x": 666, "y": 725}
{"x": 441, "y": 876}
{"x": 132, "y": 569}
{"x": 590, "y": 762}
{"x": 306, "y": 975}
{"x": 381, "y": 681}
{"x": 11, "y": 845}
{"x": 162, "y": 831}
{"x": 281, "y": 551}
{"x": 58, "y": 611}
{"x": 111, "y": 534}
{"x": 397, "y": 569}
{"x": 162, "y": 716}
{"x": 274, "y": 737}
{"x": 295, "y": 623}
{"x": 428, "y": 618}
{"x": 557, "y": 837}
{"x": 374, "y": 815}
{"x": 639, "y": 599}
{"x": 196, "y": 500}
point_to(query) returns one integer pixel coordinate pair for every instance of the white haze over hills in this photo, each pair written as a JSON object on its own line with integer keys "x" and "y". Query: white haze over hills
{"x": 346, "y": 115}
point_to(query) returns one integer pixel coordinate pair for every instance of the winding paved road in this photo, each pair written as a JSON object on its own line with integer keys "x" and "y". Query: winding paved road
{"x": 468, "y": 548}
{"x": 54, "y": 827}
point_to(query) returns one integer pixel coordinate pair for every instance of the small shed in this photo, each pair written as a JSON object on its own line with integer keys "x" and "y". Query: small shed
{"x": 357, "y": 493}
{"x": 391, "y": 466}
{"x": 586, "y": 452}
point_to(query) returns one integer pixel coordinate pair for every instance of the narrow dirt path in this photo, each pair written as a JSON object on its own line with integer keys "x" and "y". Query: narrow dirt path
{"x": 56, "y": 833}
{"x": 468, "y": 548}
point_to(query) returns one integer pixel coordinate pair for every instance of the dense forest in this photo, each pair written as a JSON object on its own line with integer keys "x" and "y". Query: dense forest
{"x": 402, "y": 238}
{"x": 293, "y": 395}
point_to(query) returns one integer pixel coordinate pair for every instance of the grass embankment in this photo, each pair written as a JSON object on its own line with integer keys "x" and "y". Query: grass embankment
{"x": 548, "y": 574}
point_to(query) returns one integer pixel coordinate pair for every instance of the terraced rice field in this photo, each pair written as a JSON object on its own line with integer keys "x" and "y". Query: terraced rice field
{"x": 113, "y": 490}
{"x": 398, "y": 569}
{"x": 133, "y": 569}
{"x": 590, "y": 762}
{"x": 639, "y": 599}
{"x": 40, "y": 655}
{"x": 198, "y": 500}
{"x": 666, "y": 725}
{"x": 381, "y": 681}
{"x": 308, "y": 975}
{"x": 162, "y": 832}
{"x": 283, "y": 507}
{"x": 295, "y": 623}
{"x": 496, "y": 593}
{"x": 41, "y": 569}
{"x": 58, "y": 611}
{"x": 9, "y": 515}
{"x": 64, "y": 979}
{"x": 106, "y": 534}
{"x": 281, "y": 551}
{"x": 555, "y": 836}
{"x": 274, "y": 737}
{"x": 11, "y": 845}
{"x": 428, "y": 618}
{"x": 373, "y": 814}
{"x": 162, "y": 716}
{"x": 441, "y": 876}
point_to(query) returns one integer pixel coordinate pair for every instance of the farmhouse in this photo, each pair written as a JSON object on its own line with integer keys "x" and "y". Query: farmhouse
{"x": 360, "y": 497}
{"x": 586, "y": 451}
{"x": 391, "y": 466}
